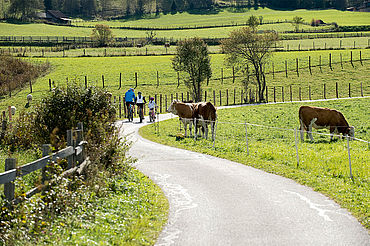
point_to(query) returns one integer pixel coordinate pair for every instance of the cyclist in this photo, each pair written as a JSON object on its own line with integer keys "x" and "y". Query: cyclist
{"x": 151, "y": 106}
{"x": 129, "y": 100}
{"x": 140, "y": 101}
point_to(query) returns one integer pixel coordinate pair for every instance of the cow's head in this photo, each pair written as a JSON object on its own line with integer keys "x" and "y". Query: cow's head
{"x": 351, "y": 131}
{"x": 172, "y": 107}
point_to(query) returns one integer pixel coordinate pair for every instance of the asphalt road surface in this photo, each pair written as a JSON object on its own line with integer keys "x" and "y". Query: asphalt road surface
{"x": 219, "y": 202}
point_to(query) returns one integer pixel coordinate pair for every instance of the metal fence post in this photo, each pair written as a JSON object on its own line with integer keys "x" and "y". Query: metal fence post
{"x": 214, "y": 139}
{"x": 246, "y": 137}
{"x": 349, "y": 159}
{"x": 70, "y": 143}
{"x": 296, "y": 146}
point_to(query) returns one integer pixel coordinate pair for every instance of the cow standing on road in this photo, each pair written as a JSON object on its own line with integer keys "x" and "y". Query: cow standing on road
{"x": 320, "y": 118}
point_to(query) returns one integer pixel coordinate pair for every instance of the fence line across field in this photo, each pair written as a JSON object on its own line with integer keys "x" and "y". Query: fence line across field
{"x": 295, "y": 132}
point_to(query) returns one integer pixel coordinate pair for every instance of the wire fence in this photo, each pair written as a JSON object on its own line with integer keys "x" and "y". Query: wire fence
{"x": 282, "y": 146}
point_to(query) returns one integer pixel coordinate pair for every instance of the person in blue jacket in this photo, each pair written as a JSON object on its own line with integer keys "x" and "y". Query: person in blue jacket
{"x": 129, "y": 98}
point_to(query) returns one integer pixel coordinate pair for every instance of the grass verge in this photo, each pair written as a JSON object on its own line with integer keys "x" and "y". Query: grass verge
{"x": 323, "y": 164}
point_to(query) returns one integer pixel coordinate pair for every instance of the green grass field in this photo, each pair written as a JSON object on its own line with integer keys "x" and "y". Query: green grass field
{"x": 146, "y": 67}
{"x": 229, "y": 17}
{"x": 323, "y": 164}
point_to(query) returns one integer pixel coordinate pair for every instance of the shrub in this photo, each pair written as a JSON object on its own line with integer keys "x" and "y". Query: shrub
{"x": 16, "y": 73}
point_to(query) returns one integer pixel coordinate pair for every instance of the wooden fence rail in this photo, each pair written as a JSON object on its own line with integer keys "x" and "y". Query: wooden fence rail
{"x": 75, "y": 153}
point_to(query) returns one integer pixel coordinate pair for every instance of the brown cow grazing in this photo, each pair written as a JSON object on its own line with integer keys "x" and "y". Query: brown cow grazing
{"x": 205, "y": 113}
{"x": 185, "y": 111}
{"x": 320, "y": 118}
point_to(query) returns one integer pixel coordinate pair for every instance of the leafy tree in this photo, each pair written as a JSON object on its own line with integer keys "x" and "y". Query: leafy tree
{"x": 102, "y": 35}
{"x": 192, "y": 57}
{"x": 253, "y": 22}
{"x": 297, "y": 21}
{"x": 24, "y": 10}
{"x": 245, "y": 48}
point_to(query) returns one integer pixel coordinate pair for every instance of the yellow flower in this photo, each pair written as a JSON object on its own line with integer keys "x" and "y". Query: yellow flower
{"x": 23, "y": 221}
{"x": 43, "y": 223}
{"x": 62, "y": 224}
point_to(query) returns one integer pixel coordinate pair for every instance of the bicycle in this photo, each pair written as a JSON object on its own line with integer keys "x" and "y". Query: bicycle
{"x": 140, "y": 113}
{"x": 152, "y": 114}
{"x": 131, "y": 113}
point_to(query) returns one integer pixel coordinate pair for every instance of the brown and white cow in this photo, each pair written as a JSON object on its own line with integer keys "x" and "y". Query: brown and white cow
{"x": 185, "y": 111}
{"x": 205, "y": 114}
{"x": 320, "y": 118}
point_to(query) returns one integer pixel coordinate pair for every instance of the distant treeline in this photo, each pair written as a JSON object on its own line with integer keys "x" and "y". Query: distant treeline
{"x": 27, "y": 9}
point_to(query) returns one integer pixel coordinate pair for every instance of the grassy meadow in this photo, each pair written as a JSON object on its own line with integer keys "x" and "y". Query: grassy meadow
{"x": 228, "y": 16}
{"x": 323, "y": 165}
{"x": 146, "y": 67}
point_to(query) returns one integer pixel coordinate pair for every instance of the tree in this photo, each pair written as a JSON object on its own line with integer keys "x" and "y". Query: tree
{"x": 297, "y": 21}
{"x": 25, "y": 10}
{"x": 253, "y": 21}
{"x": 245, "y": 48}
{"x": 192, "y": 58}
{"x": 102, "y": 35}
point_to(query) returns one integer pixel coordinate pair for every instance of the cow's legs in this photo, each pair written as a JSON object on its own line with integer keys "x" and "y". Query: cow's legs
{"x": 190, "y": 127}
{"x": 310, "y": 128}
{"x": 213, "y": 129}
{"x": 196, "y": 128}
{"x": 205, "y": 128}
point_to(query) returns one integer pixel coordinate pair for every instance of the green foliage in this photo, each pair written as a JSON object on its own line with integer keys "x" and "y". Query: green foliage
{"x": 253, "y": 21}
{"x": 64, "y": 107}
{"x": 24, "y": 10}
{"x": 244, "y": 48}
{"x": 193, "y": 59}
{"x": 297, "y": 21}
{"x": 102, "y": 35}
{"x": 17, "y": 73}
{"x": 323, "y": 164}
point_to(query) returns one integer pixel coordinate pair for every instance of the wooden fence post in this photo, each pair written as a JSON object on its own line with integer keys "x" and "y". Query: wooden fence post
{"x": 102, "y": 78}
{"x": 234, "y": 71}
{"x": 205, "y": 96}
{"x": 80, "y": 137}
{"x": 135, "y": 80}
{"x": 274, "y": 94}
{"x": 349, "y": 89}
{"x": 273, "y": 71}
{"x": 352, "y": 59}
{"x": 234, "y": 95}
{"x": 320, "y": 63}
{"x": 309, "y": 92}
{"x": 291, "y": 93}
{"x": 300, "y": 94}
{"x": 120, "y": 81}
{"x": 49, "y": 84}
{"x": 286, "y": 69}
{"x": 157, "y": 78}
{"x": 324, "y": 91}
{"x": 70, "y": 143}
{"x": 9, "y": 188}
{"x": 362, "y": 93}
{"x": 309, "y": 64}
{"x": 361, "y": 58}
{"x": 297, "y": 67}
{"x": 331, "y": 68}
{"x": 160, "y": 103}
{"x": 220, "y": 98}
{"x": 222, "y": 75}
{"x": 227, "y": 96}
{"x": 336, "y": 89}
{"x": 165, "y": 101}
{"x": 85, "y": 82}
{"x": 120, "y": 107}
{"x": 341, "y": 61}
{"x": 187, "y": 96}
{"x": 214, "y": 97}
{"x": 46, "y": 150}
{"x": 267, "y": 95}
{"x": 282, "y": 93}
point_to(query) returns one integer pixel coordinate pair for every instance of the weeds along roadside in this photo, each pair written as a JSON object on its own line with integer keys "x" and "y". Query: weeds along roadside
{"x": 68, "y": 197}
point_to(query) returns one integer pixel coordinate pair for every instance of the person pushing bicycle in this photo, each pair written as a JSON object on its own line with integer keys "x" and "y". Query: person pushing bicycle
{"x": 140, "y": 101}
{"x": 152, "y": 106}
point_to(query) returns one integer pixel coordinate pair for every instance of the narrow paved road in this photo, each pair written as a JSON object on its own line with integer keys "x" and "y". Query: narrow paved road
{"x": 219, "y": 202}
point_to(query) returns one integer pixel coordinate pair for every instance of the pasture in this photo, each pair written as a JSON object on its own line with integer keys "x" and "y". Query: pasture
{"x": 323, "y": 165}
{"x": 73, "y": 70}
{"x": 228, "y": 16}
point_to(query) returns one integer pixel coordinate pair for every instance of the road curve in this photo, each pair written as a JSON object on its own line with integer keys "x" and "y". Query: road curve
{"x": 214, "y": 201}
